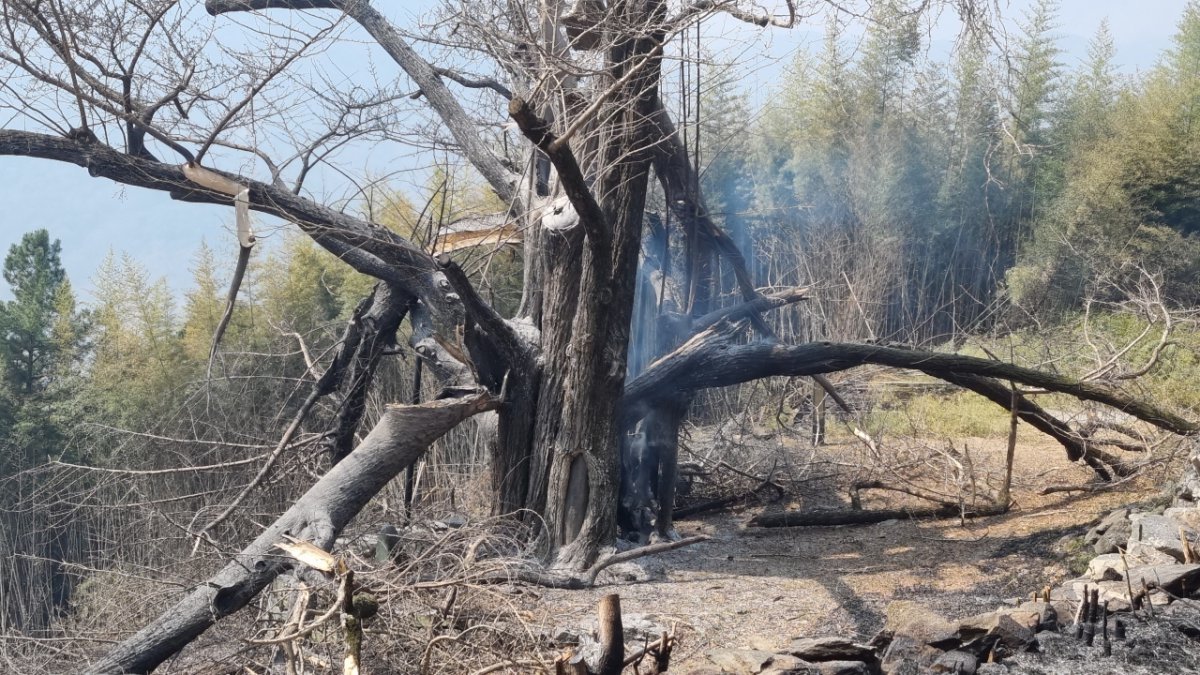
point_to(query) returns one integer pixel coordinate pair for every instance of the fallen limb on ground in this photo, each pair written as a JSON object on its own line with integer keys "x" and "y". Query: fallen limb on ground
{"x": 827, "y": 518}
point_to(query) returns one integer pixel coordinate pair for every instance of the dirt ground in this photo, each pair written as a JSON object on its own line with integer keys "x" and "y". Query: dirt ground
{"x": 750, "y": 587}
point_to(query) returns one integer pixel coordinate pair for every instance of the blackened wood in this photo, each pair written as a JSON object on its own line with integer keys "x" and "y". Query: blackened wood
{"x": 400, "y": 437}
{"x": 714, "y": 360}
{"x": 829, "y": 518}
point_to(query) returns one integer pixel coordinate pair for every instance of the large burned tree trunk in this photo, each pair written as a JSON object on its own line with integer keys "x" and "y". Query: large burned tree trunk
{"x": 586, "y": 315}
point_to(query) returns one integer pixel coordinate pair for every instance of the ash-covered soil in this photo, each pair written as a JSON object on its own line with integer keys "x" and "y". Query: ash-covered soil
{"x": 762, "y": 588}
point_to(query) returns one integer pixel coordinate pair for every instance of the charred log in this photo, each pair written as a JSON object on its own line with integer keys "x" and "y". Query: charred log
{"x": 399, "y": 438}
{"x": 829, "y": 518}
{"x": 713, "y": 359}
{"x": 370, "y": 333}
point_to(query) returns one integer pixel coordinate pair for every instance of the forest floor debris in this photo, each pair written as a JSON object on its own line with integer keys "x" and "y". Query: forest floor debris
{"x": 762, "y": 589}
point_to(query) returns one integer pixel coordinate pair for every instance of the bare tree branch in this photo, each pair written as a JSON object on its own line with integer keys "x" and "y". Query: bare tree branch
{"x": 712, "y": 359}
{"x": 399, "y": 438}
{"x": 465, "y": 132}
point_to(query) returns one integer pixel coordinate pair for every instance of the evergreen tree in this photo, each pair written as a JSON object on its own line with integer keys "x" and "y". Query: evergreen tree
{"x": 42, "y": 303}
{"x": 137, "y": 366}
{"x": 41, "y": 334}
{"x": 203, "y": 307}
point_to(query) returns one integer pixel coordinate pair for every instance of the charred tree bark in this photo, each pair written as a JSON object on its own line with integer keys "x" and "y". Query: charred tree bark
{"x": 399, "y": 438}
{"x": 371, "y": 332}
{"x": 712, "y": 359}
{"x": 831, "y": 518}
{"x": 588, "y": 349}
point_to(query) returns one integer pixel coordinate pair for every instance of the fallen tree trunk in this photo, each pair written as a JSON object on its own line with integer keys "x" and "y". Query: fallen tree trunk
{"x": 714, "y": 359}
{"x": 828, "y": 518}
{"x": 399, "y": 438}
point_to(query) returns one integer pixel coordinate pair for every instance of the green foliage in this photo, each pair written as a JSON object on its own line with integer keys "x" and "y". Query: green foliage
{"x": 496, "y": 271}
{"x": 942, "y": 415}
{"x": 1130, "y": 193}
{"x": 1076, "y": 555}
{"x": 39, "y": 327}
{"x": 43, "y": 336}
{"x": 203, "y": 307}
{"x": 304, "y": 287}
{"x": 1066, "y": 347}
{"x": 935, "y": 191}
{"x": 137, "y": 364}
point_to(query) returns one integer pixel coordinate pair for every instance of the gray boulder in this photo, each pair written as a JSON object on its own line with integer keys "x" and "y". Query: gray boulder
{"x": 1160, "y": 533}
{"x": 957, "y": 662}
{"x": 1177, "y": 580}
{"x": 751, "y": 661}
{"x": 1112, "y": 532}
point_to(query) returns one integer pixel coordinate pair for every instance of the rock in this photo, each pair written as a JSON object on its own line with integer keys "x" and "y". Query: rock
{"x": 1107, "y": 567}
{"x": 1114, "y": 518}
{"x": 740, "y": 660}
{"x": 915, "y": 631}
{"x": 452, "y": 521}
{"x": 1160, "y": 599}
{"x": 914, "y": 620}
{"x": 1177, "y": 580}
{"x": 785, "y": 664}
{"x": 1115, "y": 539}
{"x": 635, "y": 626}
{"x": 1186, "y": 515}
{"x": 991, "y": 669}
{"x": 634, "y": 571}
{"x": 1027, "y": 614}
{"x": 842, "y": 668}
{"x": 1047, "y": 612}
{"x": 1049, "y": 618}
{"x": 1185, "y": 617}
{"x": 1116, "y": 593}
{"x": 762, "y": 643}
{"x": 386, "y": 543}
{"x": 1144, "y": 555}
{"x": 905, "y": 654}
{"x": 956, "y": 661}
{"x": 1161, "y": 533}
{"x": 1111, "y": 533}
{"x": 1061, "y": 605}
{"x": 904, "y": 667}
{"x": 1012, "y": 628}
{"x": 565, "y": 635}
{"x": 830, "y": 649}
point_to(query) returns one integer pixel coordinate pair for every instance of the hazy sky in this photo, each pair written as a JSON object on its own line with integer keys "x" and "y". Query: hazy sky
{"x": 93, "y": 216}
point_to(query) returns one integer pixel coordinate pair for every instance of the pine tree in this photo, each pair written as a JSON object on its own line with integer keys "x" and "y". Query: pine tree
{"x": 42, "y": 305}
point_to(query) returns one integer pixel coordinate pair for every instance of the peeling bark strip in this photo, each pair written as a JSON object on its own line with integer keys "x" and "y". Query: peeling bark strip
{"x": 399, "y": 438}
